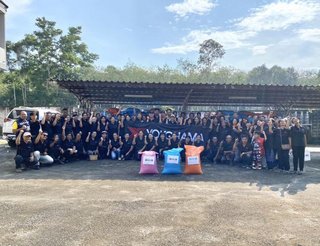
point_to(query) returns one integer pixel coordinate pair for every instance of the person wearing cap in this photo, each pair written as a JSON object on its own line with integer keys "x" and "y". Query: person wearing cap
{"x": 41, "y": 149}
{"x": 103, "y": 148}
{"x": 25, "y": 152}
{"x": 21, "y": 123}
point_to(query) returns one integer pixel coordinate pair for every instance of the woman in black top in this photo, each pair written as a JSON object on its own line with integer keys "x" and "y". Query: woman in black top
{"x": 150, "y": 143}
{"x": 122, "y": 126}
{"x": 113, "y": 127}
{"x": 68, "y": 146}
{"x": 115, "y": 147}
{"x": 281, "y": 141}
{"x": 173, "y": 141}
{"x": 162, "y": 144}
{"x": 299, "y": 142}
{"x": 84, "y": 126}
{"x": 102, "y": 125}
{"x": 92, "y": 143}
{"x": 139, "y": 145}
{"x": 81, "y": 154}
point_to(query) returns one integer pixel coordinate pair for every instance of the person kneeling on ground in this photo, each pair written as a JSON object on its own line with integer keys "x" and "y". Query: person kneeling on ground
{"x": 212, "y": 148}
{"x": 115, "y": 147}
{"x": 227, "y": 150}
{"x": 245, "y": 151}
{"x": 92, "y": 143}
{"x": 81, "y": 153}
{"x": 41, "y": 149}
{"x": 68, "y": 146}
{"x": 127, "y": 148}
{"x": 55, "y": 150}
{"x": 25, "y": 152}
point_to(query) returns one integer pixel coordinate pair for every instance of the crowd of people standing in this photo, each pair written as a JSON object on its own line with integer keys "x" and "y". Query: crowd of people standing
{"x": 255, "y": 142}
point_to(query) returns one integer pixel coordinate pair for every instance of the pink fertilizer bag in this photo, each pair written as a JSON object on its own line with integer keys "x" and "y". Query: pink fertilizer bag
{"x": 148, "y": 162}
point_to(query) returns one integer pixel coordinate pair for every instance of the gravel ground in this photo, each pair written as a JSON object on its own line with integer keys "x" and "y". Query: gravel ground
{"x": 108, "y": 203}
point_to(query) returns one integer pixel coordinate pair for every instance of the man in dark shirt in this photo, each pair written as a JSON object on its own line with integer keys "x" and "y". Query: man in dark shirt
{"x": 245, "y": 152}
{"x": 25, "y": 152}
{"x": 41, "y": 149}
{"x": 227, "y": 150}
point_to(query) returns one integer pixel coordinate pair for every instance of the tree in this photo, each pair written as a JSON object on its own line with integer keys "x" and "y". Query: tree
{"x": 210, "y": 51}
{"x": 44, "y": 55}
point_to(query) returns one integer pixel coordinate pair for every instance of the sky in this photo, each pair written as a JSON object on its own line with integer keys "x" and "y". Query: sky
{"x": 157, "y": 32}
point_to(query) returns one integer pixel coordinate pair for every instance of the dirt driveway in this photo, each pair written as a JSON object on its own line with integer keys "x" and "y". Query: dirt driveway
{"x": 108, "y": 203}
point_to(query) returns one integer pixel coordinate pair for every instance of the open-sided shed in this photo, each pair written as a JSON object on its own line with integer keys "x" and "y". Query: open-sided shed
{"x": 194, "y": 94}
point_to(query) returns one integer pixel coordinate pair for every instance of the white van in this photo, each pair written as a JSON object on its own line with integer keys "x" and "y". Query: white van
{"x": 7, "y": 133}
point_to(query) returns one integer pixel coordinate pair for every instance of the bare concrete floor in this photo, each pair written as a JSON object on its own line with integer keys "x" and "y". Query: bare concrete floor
{"x": 108, "y": 203}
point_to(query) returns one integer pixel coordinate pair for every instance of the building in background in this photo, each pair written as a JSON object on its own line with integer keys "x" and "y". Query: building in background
{"x": 3, "y": 10}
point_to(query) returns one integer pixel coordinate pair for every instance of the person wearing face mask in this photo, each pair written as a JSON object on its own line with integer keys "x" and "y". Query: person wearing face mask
{"x": 298, "y": 136}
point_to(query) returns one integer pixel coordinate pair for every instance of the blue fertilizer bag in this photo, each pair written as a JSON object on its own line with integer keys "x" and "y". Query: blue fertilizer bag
{"x": 172, "y": 161}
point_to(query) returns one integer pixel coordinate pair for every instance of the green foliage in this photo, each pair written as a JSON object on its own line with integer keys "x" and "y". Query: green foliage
{"x": 210, "y": 51}
{"x": 45, "y": 54}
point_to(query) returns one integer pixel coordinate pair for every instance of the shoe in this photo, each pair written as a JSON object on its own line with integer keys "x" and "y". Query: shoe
{"x": 119, "y": 159}
{"x": 36, "y": 167}
{"x": 300, "y": 172}
{"x": 259, "y": 167}
{"x": 18, "y": 170}
{"x": 254, "y": 167}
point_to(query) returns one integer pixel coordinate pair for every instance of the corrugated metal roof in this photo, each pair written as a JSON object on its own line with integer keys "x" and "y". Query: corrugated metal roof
{"x": 204, "y": 93}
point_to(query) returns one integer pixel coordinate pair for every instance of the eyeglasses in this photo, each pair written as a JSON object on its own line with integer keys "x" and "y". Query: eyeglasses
{"x": 28, "y": 136}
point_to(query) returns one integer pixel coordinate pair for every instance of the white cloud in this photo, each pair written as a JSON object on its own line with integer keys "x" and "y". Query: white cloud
{"x": 260, "y": 49}
{"x": 191, "y": 42}
{"x": 199, "y": 7}
{"x": 18, "y": 7}
{"x": 280, "y": 15}
{"x": 311, "y": 34}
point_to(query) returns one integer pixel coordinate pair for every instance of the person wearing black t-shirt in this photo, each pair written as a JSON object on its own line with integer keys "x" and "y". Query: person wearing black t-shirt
{"x": 173, "y": 141}
{"x": 139, "y": 145}
{"x": 25, "y": 152}
{"x": 115, "y": 144}
{"x": 212, "y": 148}
{"x": 162, "y": 144}
{"x": 198, "y": 143}
{"x": 46, "y": 125}
{"x": 34, "y": 125}
{"x": 68, "y": 146}
{"x": 84, "y": 126}
{"x": 227, "y": 150}
{"x": 41, "y": 149}
{"x": 78, "y": 143}
{"x": 57, "y": 125}
{"x": 92, "y": 143}
{"x": 104, "y": 146}
{"x": 127, "y": 148}
{"x": 182, "y": 144}
{"x": 56, "y": 149}
{"x": 113, "y": 127}
{"x": 245, "y": 151}
{"x": 150, "y": 143}
{"x": 299, "y": 142}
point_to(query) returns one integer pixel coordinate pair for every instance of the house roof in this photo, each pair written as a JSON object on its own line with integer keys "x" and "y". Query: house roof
{"x": 195, "y": 94}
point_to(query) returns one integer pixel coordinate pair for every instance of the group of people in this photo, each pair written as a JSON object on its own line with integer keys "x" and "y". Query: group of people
{"x": 255, "y": 142}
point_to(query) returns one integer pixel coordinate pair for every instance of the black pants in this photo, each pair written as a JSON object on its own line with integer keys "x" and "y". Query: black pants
{"x": 126, "y": 157}
{"x": 19, "y": 161}
{"x": 283, "y": 158}
{"x": 298, "y": 156}
{"x": 245, "y": 160}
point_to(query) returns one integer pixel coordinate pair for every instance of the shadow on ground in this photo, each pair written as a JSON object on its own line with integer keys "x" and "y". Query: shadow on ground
{"x": 129, "y": 170}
